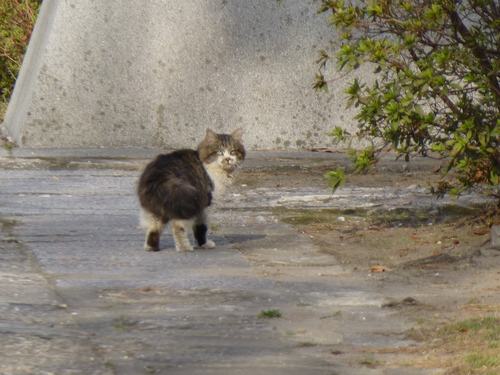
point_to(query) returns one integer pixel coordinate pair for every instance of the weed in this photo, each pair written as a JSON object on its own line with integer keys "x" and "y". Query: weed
{"x": 125, "y": 323}
{"x": 475, "y": 342}
{"x": 335, "y": 314}
{"x": 270, "y": 314}
{"x": 488, "y": 325}
{"x": 483, "y": 360}
{"x": 494, "y": 345}
{"x": 474, "y": 301}
{"x": 369, "y": 361}
{"x": 306, "y": 344}
{"x": 17, "y": 19}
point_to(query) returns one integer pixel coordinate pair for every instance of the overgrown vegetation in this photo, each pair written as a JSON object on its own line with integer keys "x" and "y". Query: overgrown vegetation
{"x": 17, "y": 18}
{"x": 474, "y": 342}
{"x": 436, "y": 90}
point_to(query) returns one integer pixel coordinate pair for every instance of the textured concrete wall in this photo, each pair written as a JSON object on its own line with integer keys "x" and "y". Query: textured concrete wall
{"x": 157, "y": 73}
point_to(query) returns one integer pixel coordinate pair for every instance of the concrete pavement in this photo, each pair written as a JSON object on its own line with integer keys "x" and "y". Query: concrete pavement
{"x": 78, "y": 295}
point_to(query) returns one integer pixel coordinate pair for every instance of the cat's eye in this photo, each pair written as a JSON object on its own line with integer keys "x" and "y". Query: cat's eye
{"x": 234, "y": 152}
{"x": 219, "y": 153}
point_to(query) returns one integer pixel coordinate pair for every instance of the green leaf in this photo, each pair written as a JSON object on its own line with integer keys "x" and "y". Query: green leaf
{"x": 494, "y": 178}
{"x": 336, "y": 178}
{"x": 320, "y": 83}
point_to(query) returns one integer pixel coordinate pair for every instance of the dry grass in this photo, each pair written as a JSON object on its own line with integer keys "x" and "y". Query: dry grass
{"x": 470, "y": 346}
{"x": 469, "y": 342}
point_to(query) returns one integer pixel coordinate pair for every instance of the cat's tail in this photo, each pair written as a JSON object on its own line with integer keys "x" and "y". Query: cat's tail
{"x": 175, "y": 198}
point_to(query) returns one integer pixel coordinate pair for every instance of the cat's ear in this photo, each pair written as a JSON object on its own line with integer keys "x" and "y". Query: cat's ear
{"x": 211, "y": 137}
{"x": 237, "y": 134}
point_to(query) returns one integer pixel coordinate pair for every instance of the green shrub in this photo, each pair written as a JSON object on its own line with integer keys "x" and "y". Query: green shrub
{"x": 436, "y": 90}
{"x": 17, "y": 18}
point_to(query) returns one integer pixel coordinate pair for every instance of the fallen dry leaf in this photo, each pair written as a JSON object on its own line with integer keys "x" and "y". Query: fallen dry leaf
{"x": 379, "y": 268}
{"x": 483, "y": 231}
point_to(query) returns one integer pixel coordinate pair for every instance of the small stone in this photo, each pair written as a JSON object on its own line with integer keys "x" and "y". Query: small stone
{"x": 495, "y": 235}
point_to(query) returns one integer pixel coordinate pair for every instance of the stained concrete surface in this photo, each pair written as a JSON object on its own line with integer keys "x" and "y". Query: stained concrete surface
{"x": 158, "y": 73}
{"x": 79, "y": 295}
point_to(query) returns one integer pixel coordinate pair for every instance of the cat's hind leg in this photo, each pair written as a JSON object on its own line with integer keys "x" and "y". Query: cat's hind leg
{"x": 153, "y": 226}
{"x": 200, "y": 233}
{"x": 180, "y": 231}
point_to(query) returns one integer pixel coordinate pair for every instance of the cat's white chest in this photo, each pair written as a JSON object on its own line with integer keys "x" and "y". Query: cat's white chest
{"x": 221, "y": 179}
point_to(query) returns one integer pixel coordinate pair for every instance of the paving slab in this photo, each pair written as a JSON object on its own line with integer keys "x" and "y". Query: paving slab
{"x": 79, "y": 295}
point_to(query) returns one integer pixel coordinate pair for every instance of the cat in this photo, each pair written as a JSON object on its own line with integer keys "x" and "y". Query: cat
{"x": 179, "y": 187}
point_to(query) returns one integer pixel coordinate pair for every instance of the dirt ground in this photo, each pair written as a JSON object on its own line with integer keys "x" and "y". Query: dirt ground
{"x": 438, "y": 270}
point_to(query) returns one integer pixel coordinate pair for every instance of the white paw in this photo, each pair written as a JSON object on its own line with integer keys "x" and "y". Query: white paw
{"x": 208, "y": 245}
{"x": 184, "y": 249}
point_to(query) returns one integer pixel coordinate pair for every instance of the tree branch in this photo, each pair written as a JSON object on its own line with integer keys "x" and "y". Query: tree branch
{"x": 478, "y": 51}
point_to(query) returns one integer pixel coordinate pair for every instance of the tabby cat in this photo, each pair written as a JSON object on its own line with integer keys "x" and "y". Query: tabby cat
{"x": 180, "y": 186}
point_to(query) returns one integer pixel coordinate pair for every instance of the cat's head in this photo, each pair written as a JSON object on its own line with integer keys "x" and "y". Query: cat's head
{"x": 224, "y": 150}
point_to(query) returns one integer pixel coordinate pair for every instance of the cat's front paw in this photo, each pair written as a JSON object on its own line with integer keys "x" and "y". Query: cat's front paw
{"x": 184, "y": 249}
{"x": 208, "y": 245}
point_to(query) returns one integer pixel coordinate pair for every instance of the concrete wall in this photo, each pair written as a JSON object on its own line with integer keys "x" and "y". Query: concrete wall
{"x": 157, "y": 73}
